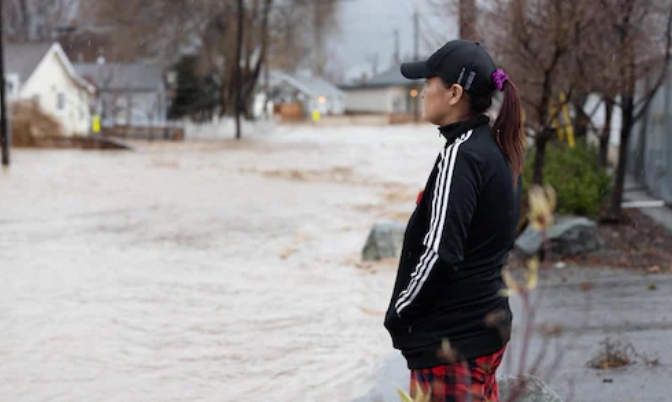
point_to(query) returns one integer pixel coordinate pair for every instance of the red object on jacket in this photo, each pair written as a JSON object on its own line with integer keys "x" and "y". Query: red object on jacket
{"x": 417, "y": 200}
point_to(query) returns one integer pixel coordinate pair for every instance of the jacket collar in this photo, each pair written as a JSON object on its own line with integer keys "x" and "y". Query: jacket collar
{"x": 452, "y": 131}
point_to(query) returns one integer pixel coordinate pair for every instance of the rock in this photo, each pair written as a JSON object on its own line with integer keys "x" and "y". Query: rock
{"x": 570, "y": 236}
{"x": 385, "y": 241}
{"x": 529, "y": 242}
{"x": 534, "y": 390}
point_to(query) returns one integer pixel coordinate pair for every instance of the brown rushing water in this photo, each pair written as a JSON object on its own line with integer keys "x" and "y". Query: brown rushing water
{"x": 201, "y": 272}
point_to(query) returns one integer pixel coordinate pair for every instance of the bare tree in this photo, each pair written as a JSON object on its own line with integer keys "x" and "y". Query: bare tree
{"x": 171, "y": 28}
{"x": 642, "y": 43}
{"x": 535, "y": 41}
{"x": 617, "y": 49}
{"x": 468, "y": 13}
{"x": 38, "y": 20}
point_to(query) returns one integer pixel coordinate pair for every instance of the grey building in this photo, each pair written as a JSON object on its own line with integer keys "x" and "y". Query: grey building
{"x": 312, "y": 92}
{"x": 128, "y": 94}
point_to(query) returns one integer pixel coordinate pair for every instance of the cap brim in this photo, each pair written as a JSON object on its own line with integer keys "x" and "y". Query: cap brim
{"x": 416, "y": 70}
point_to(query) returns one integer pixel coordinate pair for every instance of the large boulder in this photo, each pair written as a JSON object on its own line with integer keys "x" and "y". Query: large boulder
{"x": 569, "y": 236}
{"x": 529, "y": 389}
{"x": 385, "y": 241}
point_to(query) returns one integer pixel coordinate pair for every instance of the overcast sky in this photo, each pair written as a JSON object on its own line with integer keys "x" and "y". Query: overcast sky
{"x": 367, "y": 29}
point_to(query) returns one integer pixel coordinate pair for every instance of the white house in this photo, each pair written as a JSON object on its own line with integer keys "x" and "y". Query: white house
{"x": 43, "y": 73}
{"x": 129, "y": 94}
{"x": 387, "y": 93}
{"x": 314, "y": 93}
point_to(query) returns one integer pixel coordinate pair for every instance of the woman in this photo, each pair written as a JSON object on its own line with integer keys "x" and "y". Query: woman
{"x": 447, "y": 314}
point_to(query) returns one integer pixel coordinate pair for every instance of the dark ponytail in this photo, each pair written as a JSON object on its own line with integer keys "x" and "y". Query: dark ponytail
{"x": 508, "y": 129}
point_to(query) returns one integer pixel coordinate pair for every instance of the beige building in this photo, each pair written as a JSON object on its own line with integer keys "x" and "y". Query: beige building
{"x": 385, "y": 93}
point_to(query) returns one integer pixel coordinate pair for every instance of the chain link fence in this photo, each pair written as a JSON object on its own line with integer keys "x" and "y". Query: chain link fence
{"x": 650, "y": 148}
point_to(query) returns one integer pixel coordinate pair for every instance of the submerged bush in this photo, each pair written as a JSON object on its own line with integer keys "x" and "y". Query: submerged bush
{"x": 30, "y": 124}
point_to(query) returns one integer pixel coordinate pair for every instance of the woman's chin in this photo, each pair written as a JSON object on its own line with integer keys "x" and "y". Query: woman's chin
{"x": 430, "y": 120}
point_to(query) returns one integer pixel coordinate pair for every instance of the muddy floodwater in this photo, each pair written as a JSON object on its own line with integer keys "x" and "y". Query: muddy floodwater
{"x": 223, "y": 271}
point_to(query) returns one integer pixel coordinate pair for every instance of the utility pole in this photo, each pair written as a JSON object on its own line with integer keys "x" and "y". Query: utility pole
{"x": 318, "y": 45}
{"x": 416, "y": 56}
{"x": 416, "y": 35}
{"x": 239, "y": 75}
{"x": 4, "y": 127}
{"x": 396, "y": 58}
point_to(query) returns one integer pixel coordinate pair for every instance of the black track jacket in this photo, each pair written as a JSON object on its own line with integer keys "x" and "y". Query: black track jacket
{"x": 456, "y": 243}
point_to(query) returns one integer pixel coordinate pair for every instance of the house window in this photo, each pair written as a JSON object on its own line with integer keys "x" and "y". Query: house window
{"x": 398, "y": 104}
{"x": 60, "y": 101}
{"x": 12, "y": 85}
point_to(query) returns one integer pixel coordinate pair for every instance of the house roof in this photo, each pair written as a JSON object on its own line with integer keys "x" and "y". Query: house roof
{"x": 388, "y": 78}
{"x": 308, "y": 84}
{"x": 23, "y": 58}
{"x": 116, "y": 76}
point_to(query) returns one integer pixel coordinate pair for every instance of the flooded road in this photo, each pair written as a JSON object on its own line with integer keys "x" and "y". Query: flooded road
{"x": 202, "y": 271}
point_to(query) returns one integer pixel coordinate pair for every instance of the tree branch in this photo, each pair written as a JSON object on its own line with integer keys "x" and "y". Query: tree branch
{"x": 651, "y": 93}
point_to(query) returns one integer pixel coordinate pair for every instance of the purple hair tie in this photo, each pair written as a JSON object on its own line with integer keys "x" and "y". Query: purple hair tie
{"x": 499, "y": 77}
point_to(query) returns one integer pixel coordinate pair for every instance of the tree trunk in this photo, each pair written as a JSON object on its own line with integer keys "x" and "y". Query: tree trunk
{"x": 582, "y": 120}
{"x": 467, "y": 15}
{"x": 238, "y": 81}
{"x": 606, "y": 132}
{"x": 540, "y": 155}
{"x": 25, "y": 19}
{"x": 615, "y": 210}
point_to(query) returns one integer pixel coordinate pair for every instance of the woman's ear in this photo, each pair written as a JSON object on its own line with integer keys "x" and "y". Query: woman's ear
{"x": 455, "y": 91}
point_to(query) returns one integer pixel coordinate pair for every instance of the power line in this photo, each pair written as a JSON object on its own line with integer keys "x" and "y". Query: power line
{"x": 312, "y": 3}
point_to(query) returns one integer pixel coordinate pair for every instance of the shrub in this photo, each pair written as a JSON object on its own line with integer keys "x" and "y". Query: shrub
{"x": 30, "y": 124}
{"x": 580, "y": 182}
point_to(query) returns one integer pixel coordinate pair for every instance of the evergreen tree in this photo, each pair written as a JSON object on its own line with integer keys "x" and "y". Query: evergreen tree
{"x": 196, "y": 97}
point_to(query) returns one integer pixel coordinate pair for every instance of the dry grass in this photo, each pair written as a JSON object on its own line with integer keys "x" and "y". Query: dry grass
{"x": 618, "y": 352}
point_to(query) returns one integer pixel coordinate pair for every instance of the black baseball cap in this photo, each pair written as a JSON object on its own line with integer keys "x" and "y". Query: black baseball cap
{"x": 460, "y": 62}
